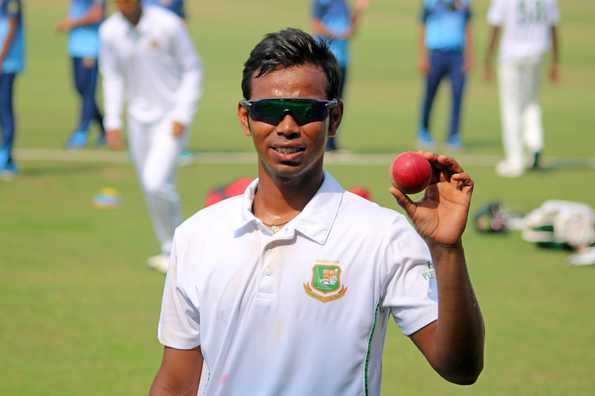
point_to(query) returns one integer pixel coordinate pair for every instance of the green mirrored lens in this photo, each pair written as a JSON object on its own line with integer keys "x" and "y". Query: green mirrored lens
{"x": 303, "y": 111}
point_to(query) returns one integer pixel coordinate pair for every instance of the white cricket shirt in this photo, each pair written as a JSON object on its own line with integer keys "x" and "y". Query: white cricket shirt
{"x": 526, "y": 26}
{"x": 153, "y": 66}
{"x": 302, "y": 311}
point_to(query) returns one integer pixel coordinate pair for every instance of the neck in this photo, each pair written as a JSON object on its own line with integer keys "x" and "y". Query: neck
{"x": 134, "y": 17}
{"x": 278, "y": 200}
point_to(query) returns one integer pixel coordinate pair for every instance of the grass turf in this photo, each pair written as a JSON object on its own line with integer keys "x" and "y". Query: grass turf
{"x": 79, "y": 308}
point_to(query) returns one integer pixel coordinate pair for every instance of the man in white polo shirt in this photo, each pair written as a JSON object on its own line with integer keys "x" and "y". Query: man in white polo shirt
{"x": 288, "y": 289}
{"x": 148, "y": 60}
{"x": 529, "y": 29}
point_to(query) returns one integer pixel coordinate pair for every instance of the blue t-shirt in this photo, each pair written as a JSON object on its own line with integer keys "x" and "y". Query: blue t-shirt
{"x": 335, "y": 16}
{"x": 15, "y": 58}
{"x": 445, "y": 22}
{"x": 175, "y": 6}
{"x": 83, "y": 41}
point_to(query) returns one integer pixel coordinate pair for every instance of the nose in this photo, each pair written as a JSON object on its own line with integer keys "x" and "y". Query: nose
{"x": 288, "y": 126}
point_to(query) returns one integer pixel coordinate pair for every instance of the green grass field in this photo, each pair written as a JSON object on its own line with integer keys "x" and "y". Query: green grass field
{"x": 79, "y": 308}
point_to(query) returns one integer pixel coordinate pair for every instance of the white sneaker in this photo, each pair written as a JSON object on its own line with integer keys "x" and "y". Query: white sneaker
{"x": 507, "y": 169}
{"x": 585, "y": 257}
{"x": 159, "y": 263}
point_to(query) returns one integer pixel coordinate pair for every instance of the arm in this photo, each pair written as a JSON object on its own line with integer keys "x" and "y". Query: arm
{"x": 318, "y": 11}
{"x": 179, "y": 373}
{"x": 10, "y": 35}
{"x": 359, "y": 8}
{"x": 454, "y": 343}
{"x": 113, "y": 93}
{"x": 190, "y": 87}
{"x": 555, "y": 60}
{"x": 320, "y": 30}
{"x": 93, "y": 17}
{"x": 493, "y": 37}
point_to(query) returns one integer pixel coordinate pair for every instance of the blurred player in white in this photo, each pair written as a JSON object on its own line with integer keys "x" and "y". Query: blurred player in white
{"x": 529, "y": 30}
{"x": 148, "y": 61}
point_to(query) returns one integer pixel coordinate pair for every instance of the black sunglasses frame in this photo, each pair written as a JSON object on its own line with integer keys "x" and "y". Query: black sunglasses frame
{"x": 299, "y": 117}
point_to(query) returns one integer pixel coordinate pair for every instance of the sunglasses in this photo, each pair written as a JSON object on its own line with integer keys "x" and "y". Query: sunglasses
{"x": 303, "y": 111}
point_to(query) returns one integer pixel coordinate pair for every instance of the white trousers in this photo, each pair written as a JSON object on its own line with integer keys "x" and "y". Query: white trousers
{"x": 154, "y": 151}
{"x": 522, "y": 130}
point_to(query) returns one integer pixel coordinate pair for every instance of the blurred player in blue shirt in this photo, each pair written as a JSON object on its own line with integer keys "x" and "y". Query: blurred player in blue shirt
{"x": 445, "y": 48}
{"x": 334, "y": 23}
{"x": 175, "y": 6}
{"x": 82, "y": 23}
{"x": 12, "y": 62}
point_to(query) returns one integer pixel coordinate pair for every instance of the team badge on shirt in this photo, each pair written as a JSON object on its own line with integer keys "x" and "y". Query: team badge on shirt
{"x": 326, "y": 284}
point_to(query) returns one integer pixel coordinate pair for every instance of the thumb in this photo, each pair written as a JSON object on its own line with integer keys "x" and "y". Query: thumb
{"x": 403, "y": 200}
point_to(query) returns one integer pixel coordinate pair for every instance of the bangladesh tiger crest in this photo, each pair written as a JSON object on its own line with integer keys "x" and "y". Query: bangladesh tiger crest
{"x": 326, "y": 284}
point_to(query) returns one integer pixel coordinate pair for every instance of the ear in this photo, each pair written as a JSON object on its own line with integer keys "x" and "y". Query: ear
{"x": 334, "y": 119}
{"x": 244, "y": 119}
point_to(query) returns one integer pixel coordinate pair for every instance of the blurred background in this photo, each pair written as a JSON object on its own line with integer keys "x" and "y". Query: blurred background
{"x": 79, "y": 308}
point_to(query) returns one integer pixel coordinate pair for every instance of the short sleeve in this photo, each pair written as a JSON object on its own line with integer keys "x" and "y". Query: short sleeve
{"x": 553, "y": 13}
{"x": 495, "y": 15}
{"x": 411, "y": 293}
{"x": 179, "y": 323}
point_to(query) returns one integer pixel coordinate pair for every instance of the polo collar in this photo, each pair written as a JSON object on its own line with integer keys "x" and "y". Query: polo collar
{"x": 314, "y": 222}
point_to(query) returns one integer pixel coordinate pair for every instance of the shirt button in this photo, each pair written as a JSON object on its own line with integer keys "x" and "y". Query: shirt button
{"x": 267, "y": 271}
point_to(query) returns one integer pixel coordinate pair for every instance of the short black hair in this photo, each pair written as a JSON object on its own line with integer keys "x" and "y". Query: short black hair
{"x": 287, "y": 48}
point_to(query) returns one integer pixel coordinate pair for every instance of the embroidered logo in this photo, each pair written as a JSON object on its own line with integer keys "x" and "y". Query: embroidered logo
{"x": 154, "y": 44}
{"x": 429, "y": 273}
{"x": 326, "y": 284}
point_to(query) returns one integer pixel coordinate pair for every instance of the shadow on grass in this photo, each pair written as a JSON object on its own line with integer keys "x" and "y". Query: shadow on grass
{"x": 483, "y": 142}
{"x": 70, "y": 169}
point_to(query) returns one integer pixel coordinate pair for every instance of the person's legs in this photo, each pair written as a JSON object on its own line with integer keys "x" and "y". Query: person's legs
{"x": 85, "y": 71}
{"x": 157, "y": 176}
{"x": 433, "y": 78}
{"x": 91, "y": 110}
{"x": 510, "y": 109}
{"x": 331, "y": 143}
{"x": 78, "y": 138}
{"x": 7, "y": 122}
{"x": 457, "y": 78}
{"x": 532, "y": 124}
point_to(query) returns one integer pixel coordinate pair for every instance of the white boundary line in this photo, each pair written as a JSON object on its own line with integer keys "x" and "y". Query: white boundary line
{"x": 112, "y": 157}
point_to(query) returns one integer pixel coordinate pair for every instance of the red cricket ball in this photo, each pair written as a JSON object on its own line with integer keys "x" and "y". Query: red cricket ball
{"x": 411, "y": 172}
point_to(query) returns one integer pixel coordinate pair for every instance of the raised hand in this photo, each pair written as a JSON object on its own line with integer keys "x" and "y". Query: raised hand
{"x": 441, "y": 215}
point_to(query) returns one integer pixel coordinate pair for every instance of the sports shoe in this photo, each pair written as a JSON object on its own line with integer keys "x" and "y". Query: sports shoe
{"x": 159, "y": 263}
{"x": 185, "y": 157}
{"x": 424, "y": 139}
{"x": 507, "y": 169}
{"x": 536, "y": 161}
{"x": 454, "y": 143}
{"x": 584, "y": 257}
{"x": 8, "y": 171}
{"x": 3, "y": 158}
{"x": 77, "y": 140}
{"x": 101, "y": 140}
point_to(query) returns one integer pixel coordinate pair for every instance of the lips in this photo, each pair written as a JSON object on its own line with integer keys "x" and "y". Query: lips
{"x": 288, "y": 153}
{"x": 289, "y": 150}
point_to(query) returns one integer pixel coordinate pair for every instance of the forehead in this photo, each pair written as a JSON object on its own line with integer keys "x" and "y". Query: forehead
{"x": 304, "y": 81}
